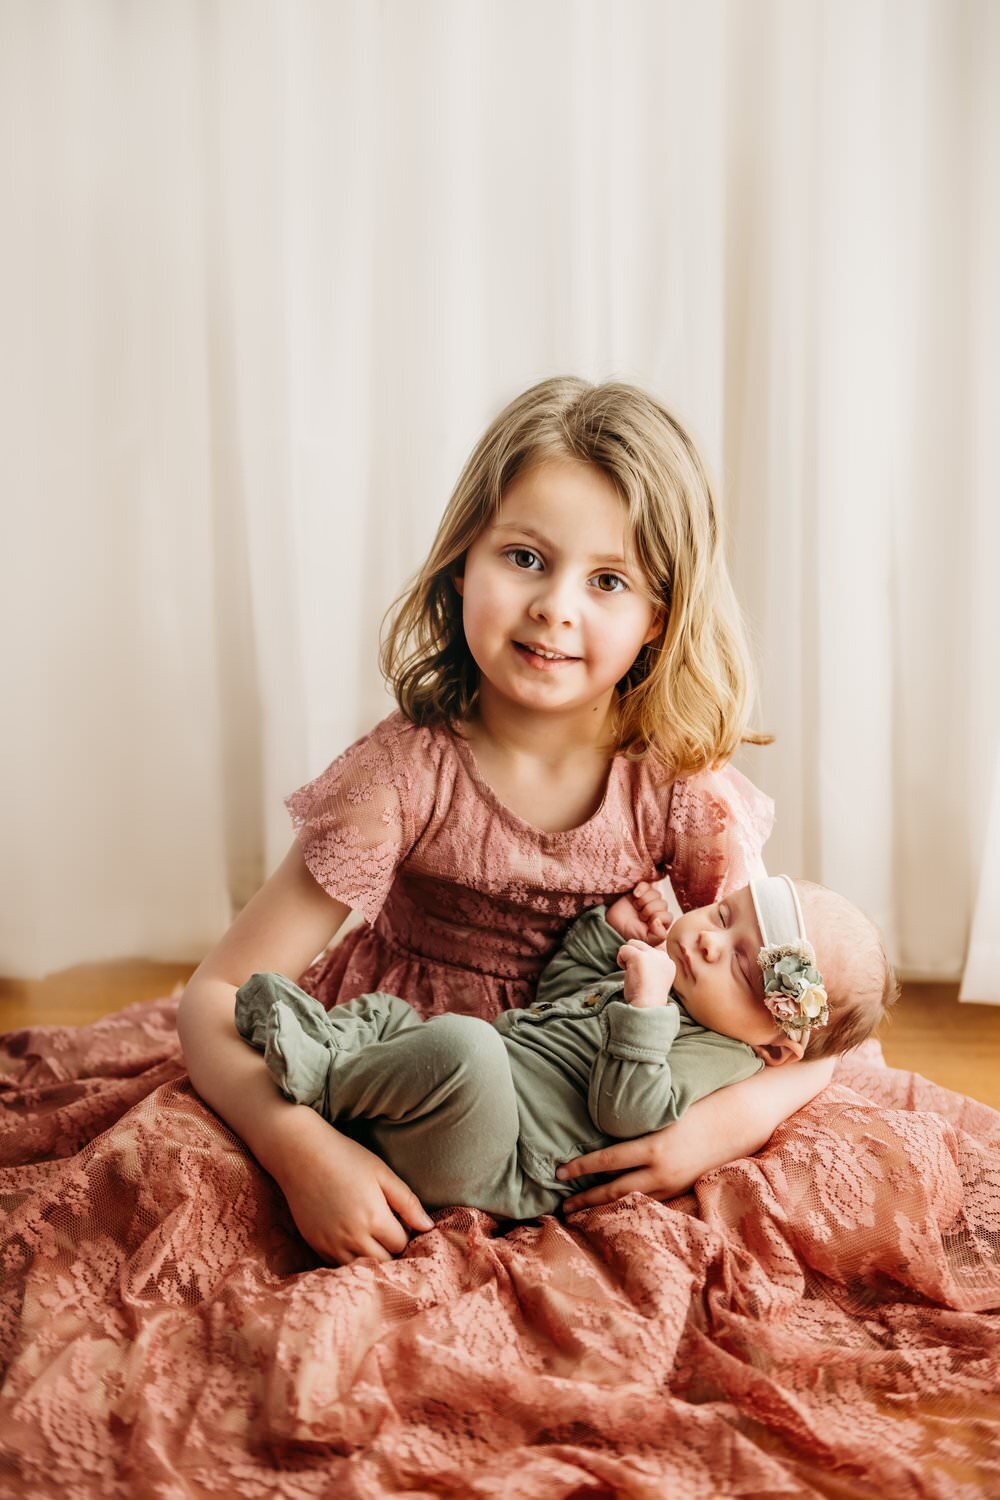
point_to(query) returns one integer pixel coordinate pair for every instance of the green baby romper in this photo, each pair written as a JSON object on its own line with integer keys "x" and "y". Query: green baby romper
{"x": 482, "y": 1113}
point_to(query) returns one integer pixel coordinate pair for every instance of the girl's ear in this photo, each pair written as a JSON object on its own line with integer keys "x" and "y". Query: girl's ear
{"x": 458, "y": 578}
{"x": 657, "y": 625}
{"x": 783, "y": 1050}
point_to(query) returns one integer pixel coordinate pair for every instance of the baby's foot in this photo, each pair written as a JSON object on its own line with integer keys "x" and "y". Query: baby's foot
{"x": 298, "y": 1062}
{"x": 649, "y": 973}
{"x": 255, "y": 998}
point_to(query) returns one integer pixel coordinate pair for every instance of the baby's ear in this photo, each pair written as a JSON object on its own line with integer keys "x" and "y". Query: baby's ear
{"x": 773, "y": 1054}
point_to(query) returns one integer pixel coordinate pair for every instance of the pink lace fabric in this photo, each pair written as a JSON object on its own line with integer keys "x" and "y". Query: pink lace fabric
{"x": 819, "y": 1319}
{"x": 465, "y": 901}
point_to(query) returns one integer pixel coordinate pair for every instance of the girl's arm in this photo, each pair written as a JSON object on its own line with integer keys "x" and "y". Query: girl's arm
{"x": 341, "y": 1195}
{"x": 733, "y": 1122}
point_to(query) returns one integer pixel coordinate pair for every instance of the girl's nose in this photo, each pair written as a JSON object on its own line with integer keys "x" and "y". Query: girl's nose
{"x": 555, "y": 602}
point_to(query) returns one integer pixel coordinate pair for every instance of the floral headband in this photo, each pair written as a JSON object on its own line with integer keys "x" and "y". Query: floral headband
{"x": 794, "y": 992}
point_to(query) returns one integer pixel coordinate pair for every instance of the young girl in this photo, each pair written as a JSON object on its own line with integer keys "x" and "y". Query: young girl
{"x": 571, "y": 678}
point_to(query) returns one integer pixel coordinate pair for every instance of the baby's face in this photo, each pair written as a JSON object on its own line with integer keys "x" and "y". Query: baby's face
{"x": 718, "y": 977}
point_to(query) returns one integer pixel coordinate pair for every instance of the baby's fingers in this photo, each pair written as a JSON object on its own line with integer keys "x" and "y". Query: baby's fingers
{"x": 652, "y": 903}
{"x": 632, "y": 947}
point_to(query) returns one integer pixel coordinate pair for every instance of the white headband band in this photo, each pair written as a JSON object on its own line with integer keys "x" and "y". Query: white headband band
{"x": 779, "y": 914}
{"x": 794, "y": 991}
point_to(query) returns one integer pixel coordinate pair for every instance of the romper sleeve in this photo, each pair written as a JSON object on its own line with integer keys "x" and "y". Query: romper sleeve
{"x": 646, "y": 1075}
{"x": 717, "y": 825}
{"x": 353, "y": 822}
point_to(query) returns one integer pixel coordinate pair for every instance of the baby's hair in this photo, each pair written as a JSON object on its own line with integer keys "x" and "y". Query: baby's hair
{"x": 686, "y": 699}
{"x": 850, "y": 952}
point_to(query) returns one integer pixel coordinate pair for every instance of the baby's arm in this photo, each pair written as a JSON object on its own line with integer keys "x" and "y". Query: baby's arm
{"x": 631, "y": 1089}
{"x": 588, "y": 953}
{"x": 630, "y": 1084}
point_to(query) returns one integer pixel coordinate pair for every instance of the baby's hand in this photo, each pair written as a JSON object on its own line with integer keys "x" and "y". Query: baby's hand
{"x": 649, "y": 973}
{"x": 643, "y": 915}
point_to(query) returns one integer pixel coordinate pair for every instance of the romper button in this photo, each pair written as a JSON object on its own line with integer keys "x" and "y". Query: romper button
{"x": 592, "y": 1000}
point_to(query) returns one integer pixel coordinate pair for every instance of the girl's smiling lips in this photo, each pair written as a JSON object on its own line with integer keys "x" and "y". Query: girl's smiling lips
{"x": 529, "y": 652}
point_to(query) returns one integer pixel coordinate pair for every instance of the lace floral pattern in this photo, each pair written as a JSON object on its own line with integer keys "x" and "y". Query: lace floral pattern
{"x": 464, "y": 902}
{"x": 819, "y": 1319}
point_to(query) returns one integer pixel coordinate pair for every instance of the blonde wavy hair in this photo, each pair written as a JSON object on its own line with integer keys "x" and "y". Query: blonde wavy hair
{"x": 686, "y": 699}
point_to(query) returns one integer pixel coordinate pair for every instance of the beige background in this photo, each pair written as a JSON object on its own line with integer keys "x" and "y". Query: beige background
{"x": 268, "y": 270}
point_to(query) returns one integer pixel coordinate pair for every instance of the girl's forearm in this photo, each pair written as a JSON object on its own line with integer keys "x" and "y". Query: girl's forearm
{"x": 741, "y": 1118}
{"x": 232, "y": 1077}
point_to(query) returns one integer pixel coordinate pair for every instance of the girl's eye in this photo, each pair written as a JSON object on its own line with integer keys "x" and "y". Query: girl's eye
{"x": 610, "y": 583}
{"x": 522, "y": 557}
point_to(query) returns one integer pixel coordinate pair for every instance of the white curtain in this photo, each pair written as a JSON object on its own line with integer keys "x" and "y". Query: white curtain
{"x": 269, "y": 269}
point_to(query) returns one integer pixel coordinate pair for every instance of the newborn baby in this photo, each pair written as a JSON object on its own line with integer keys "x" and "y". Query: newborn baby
{"x": 622, "y": 1037}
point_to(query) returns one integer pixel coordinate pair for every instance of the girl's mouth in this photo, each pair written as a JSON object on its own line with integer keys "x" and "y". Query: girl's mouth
{"x": 541, "y": 658}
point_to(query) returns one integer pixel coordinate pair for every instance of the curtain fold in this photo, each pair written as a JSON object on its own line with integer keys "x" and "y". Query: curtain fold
{"x": 270, "y": 270}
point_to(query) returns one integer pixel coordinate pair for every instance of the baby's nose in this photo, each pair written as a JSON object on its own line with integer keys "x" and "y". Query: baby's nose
{"x": 709, "y": 945}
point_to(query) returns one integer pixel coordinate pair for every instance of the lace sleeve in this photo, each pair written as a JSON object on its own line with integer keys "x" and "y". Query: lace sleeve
{"x": 352, "y": 822}
{"x": 716, "y": 827}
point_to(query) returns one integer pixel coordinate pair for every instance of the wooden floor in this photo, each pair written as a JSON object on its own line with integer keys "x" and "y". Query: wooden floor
{"x": 929, "y": 1031}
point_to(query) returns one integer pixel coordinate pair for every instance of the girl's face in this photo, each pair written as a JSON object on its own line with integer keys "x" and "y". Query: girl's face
{"x": 554, "y": 611}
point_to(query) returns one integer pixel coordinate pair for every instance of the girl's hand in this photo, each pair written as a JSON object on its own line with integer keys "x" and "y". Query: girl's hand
{"x": 342, "y": 1195}
{"x": 649, "y": 973}
{"x": 660, "y": 1166}
{"x": 644, "y": 915}
{"x": 731, "y": 1123}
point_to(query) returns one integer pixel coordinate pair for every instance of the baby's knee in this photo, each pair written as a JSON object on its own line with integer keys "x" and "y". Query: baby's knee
{"x": 467, "y": 1041}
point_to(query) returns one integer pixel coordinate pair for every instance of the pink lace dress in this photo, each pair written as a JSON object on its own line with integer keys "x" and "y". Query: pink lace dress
{"x": 463, "y": 901}
{"x": 817, "y": 1319}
